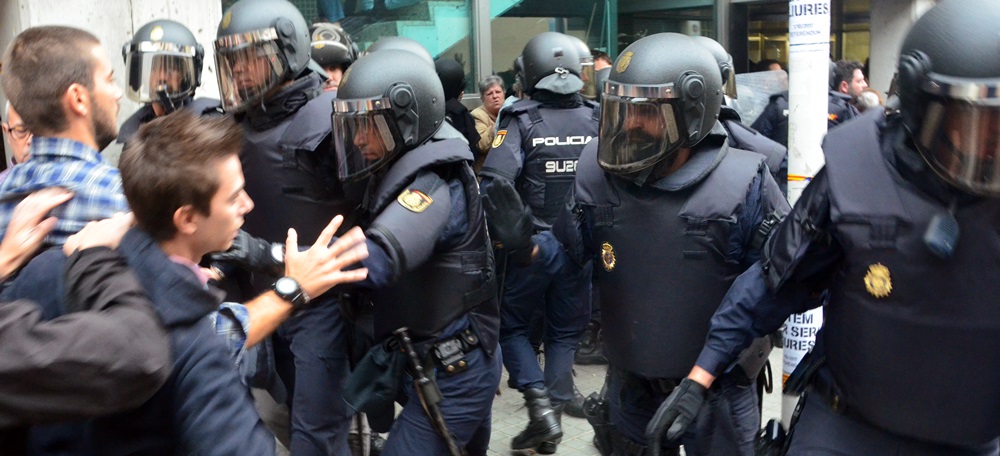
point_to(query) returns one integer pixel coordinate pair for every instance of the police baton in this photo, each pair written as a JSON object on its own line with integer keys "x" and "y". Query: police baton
{"x": 428, "y": 392}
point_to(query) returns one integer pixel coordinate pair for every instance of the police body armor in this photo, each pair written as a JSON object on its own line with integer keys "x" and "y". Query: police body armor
{"x": 911, "y": 339}
{"x": 746, "y": 138}
{"x": 453, "y": 281}
{"x": 840, "y": 109}
{"x": 200, "y": 107}
{"x": 663, "y": 260}
{"x": 289, "y": 173}
{"x": 552, "y": 139}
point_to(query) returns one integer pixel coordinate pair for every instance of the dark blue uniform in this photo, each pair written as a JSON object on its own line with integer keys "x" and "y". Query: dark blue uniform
{"x": 289, "y": 169}
{"x": 773, "y": 122}
{"x": 661, "y": 252}
{"x": 201, "y": 107}
{"x": 537, "y": 147}
{"x": 430, "y": 268}
{"x": 898, "y": 316}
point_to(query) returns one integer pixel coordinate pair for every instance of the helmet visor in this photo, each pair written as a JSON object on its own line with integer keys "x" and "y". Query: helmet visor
{"x": 156, "y": 70}
{"x": 365, "y": 137}
{"x": 250, "y": 64}
{"x": 960, "y": 139}
{"x": 638, "y": 131}
{"x": 589, "y": 79}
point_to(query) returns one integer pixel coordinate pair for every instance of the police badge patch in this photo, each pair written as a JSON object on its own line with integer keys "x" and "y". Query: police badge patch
{"x": 877, "y": 281}
{"x": 608, "y": 256}
{"x": 414, "y": 200}
{"x": 499, "y": 139}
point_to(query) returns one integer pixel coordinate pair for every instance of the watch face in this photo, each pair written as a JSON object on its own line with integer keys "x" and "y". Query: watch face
{"x": 285, "y": 286}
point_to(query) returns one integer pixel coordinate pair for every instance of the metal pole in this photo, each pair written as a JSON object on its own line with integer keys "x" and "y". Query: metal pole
{"x": 809, "y": 70}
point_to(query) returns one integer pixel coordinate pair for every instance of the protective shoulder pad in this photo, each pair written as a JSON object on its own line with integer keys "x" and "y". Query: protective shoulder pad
{"x": 311, "y": 123}
{"x": 411, "y": 163}
{"x": 860, "y": 180}
{"x": 721, "y": 194}
{"x": 592, "y": 186}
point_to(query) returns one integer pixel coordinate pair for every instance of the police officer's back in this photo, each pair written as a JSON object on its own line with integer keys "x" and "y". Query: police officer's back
{"x": 899, "y": 231}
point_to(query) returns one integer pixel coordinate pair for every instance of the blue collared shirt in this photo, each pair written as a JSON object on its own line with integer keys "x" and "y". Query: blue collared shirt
{"x": 58, "y": 162}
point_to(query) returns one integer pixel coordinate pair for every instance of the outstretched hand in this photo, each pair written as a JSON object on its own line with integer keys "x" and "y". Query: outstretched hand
{"x": 675, "y": 414}
{"x": 28, "y": 227}
{"x": 321, "y": 267}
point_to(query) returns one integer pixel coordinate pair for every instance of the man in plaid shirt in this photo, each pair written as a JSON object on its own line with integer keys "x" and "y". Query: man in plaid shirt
{"x": 62, "y": 83}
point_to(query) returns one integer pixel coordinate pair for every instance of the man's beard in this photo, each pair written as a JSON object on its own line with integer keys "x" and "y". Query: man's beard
{"x": 105, "y": 126}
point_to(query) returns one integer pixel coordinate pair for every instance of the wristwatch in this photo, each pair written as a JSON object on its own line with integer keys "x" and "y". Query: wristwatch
{"x": 290, "y": 290}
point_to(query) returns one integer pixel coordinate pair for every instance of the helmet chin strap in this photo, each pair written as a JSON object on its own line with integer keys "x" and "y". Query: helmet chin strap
{"x": 163, "y": 97}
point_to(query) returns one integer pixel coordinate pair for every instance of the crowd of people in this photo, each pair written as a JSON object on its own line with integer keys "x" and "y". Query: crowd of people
{"x": 338, "y": 249}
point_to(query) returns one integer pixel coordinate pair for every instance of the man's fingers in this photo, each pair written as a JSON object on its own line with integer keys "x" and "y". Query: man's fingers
{"x": 326, "y": 236}
{"x": 291, "y": 242}
{"x": 347, "y": 241}
{"x": 354, "y": 275}
{"x": 356, "y": 254}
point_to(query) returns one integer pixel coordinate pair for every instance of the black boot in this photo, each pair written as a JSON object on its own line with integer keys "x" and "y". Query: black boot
{"x": 574, "y": 407}
{"x": 549, "y": 446}
{"x": 589, "y": 350}
{"x": 543, "y": 421}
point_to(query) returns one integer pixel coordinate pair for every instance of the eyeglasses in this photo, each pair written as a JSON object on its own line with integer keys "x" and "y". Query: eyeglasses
{"x": 18, "y": 132}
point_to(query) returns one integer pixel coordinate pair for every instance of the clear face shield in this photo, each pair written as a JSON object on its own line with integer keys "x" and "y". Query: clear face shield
{"x": 250, "y": 64}
{"x": 365, "y": 136}
{"x": 589, "y": 78}
{"x": 640, "y": 125}
{"x": 960, "y": 133}
{"x": 159, "y": 72}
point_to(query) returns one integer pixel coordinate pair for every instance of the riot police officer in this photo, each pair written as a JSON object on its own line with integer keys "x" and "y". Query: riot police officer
{"x": 163, "y": 63}
{"x": 332, "y": 49}
{"x": 668, "y": 211}
{"x": 433, "y": 262}
{"x": 267, "y": 83}
{"x": 536, "y": 148}
{"x": 877, "y": 231}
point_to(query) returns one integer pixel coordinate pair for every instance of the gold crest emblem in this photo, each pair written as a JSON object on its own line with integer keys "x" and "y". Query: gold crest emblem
{"x": 877, "y": 281}
{"x": 226, "y": 19}
{"x": 623, "y": 62}
{"x": 608, "y": 256}
{"x": 499, "y": 139}
{"x": 414, "y": 200}
{"x": 156, "y": 34}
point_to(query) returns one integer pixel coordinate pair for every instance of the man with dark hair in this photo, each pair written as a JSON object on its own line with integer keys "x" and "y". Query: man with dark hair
{"x": 182, "y": 176}
{"x": 848, "y": 78}
{"x": 60, "y": 80}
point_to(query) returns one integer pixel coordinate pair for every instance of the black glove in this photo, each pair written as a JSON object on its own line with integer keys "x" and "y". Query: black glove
{"x": 509, "y": 221}
{"x": 675, "y": 414}
{"x": 254, "y": 254}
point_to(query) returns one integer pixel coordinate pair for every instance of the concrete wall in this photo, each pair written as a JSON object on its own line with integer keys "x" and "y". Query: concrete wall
{"x": 113, "y": 22}
{"x": 890, "y": 20}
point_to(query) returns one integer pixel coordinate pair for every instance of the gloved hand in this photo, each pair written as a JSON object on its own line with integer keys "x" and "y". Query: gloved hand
{"x": 509, "y": 221}
{"x": 675, "y": 414}
{"x": 252, "y": 253}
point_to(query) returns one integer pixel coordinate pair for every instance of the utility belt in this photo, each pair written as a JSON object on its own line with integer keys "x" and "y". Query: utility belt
{"x": 826, "y": 389}
{"x": 447, "y": 354}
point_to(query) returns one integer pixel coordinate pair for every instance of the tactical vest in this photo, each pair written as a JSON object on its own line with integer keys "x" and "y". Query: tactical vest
{"x": 452, "y": 282}
{"x": 291, "y": 178}
{"x": 552, "y": 140}
{"x": 912, "y": 340}
{"x": 663, "y": 266}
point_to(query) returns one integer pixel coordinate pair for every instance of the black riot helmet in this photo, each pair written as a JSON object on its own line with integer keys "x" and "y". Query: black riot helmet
{"x": 725, "y": 64}
{"x": 332, "y": 46}
{"x": 401, "y": 43}
{"x": 949, "y": 92}
{"x": 388, "y": 102}
{"x": 551, "y": 62}
{"x": 589, "y": 89}
{"x": 162, "y": 64}
{"x": 261, "y": 44}
{"x": 664, "y": 93}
